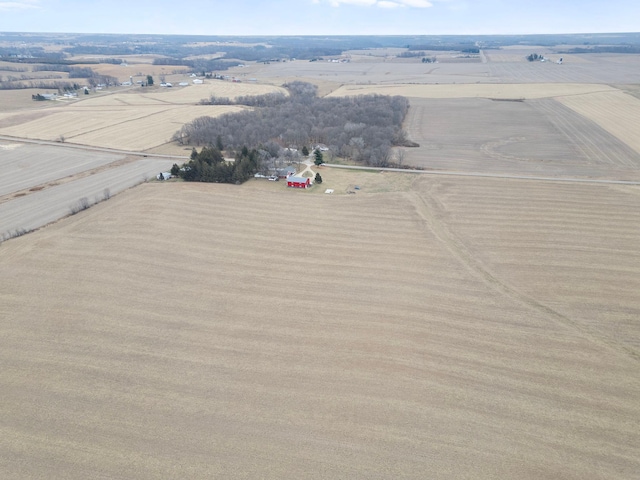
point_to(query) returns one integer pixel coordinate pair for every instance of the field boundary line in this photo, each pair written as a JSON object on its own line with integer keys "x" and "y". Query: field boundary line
{"x": 487, "y": 175}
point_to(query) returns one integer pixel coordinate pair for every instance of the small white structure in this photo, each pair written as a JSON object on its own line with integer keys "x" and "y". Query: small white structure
{"x": 197, "y": 81}
{"x": 163, "y": 176}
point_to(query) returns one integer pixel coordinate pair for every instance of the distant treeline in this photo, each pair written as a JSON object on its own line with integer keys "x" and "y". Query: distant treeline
{"x": 42, "y": 84}
{"x": 266, "y": 100}
{"x": 266, "y": 48}
{"x": 198, "y": 64}
{"x": 443, "y": 48}
{"x": 604, "y": 49}
{"x": 362, "y": 128}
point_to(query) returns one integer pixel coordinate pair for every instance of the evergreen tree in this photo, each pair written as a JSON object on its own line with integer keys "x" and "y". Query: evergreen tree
{"x": 318, "y": 178}
{"x": 318, "y": 155}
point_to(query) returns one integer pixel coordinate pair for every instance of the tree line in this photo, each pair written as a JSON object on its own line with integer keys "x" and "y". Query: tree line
{"x": 362, "y": 128}
{"x": 210, "y": 166}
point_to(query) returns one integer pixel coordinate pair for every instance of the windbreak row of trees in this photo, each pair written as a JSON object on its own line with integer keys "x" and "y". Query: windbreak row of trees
{"x": 361, "y": 128}
{"x": 209, "y": 166}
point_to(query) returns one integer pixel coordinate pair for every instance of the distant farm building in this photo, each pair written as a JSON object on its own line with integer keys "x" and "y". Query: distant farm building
{"x": 286, "y": 171}
{"x": 298, "y": 182}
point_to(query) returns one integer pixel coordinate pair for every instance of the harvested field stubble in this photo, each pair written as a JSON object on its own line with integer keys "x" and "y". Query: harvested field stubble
{"x": 500, "y": 90}
{"x": 154, "y": 335}
{"x": 534, "y": 137}
{"x": 126, "y": 128}
{"x": 617, "y": 112}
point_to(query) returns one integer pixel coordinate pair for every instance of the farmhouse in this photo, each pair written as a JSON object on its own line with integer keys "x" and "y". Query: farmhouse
{"x": 298, "y": 182}
{"x": 286, "y": 171}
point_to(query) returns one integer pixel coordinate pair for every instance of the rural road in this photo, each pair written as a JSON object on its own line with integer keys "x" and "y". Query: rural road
{"x": 487, "y": 175}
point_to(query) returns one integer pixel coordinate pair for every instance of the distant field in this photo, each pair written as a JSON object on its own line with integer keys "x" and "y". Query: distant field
{"x": 532, "y": 137}
{"x": 477, "y": 328}
{"x": 191, "y": 94}
{"x": 615, "y": 111}
{"x": 123, "y": 72}
{"x": 500, "y": 91}
{"x": 133, "y": 128}
{"x": 158, "y": 128}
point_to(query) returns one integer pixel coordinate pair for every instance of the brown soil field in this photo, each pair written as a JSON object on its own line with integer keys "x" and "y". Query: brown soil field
{"x": 25, "y": 166}
{"x": 123, "y": 72}
{"x": 372, "y": 70}
{"x": 499, "y": 91}
{"x": 13, "y": 100}
{"x": 469, "y": 328}
{"x": 533, "y": 137}
{"x": 133, "y": 127}
{"x": 615, "y": 111}
{"x": 419, "y": 326}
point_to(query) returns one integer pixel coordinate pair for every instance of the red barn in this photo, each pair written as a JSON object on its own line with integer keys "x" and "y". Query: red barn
{"x": 298, "y": 182}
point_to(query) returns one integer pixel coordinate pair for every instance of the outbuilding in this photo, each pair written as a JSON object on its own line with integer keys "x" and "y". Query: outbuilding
{"x": 286, "y": 171}
{"x": 298, "y": 182}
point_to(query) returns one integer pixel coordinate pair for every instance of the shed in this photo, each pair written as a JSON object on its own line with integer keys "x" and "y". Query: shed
{"x": 298, "y": 182}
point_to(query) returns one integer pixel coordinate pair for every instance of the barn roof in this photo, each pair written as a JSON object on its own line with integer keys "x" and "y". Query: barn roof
{"x": 297, "y": 179}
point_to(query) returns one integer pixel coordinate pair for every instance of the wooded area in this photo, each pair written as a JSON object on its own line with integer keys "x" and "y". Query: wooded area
{"x": 361, "y": 128}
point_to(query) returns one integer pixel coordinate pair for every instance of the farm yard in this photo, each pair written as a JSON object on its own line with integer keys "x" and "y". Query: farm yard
{"x": 441, "y": 322}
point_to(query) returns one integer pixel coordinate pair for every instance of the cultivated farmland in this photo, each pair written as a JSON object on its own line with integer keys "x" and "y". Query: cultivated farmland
{"x": 498, "y": 91}
{"x": 457, "y": 327}
{"x": 616, "y": 112}
{"x": 532, "y": 137}
{"x": 406, "y": 326}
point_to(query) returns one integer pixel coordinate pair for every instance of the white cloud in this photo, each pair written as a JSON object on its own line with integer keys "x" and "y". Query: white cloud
{"x": 20, "y": 5}
{"x": 381, "y": 3}
{"x": 363, "y": 3}
{"x": 416, "y": 3}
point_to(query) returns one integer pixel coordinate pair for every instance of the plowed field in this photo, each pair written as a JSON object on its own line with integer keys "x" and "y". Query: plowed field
{"x": 464, "y": 328}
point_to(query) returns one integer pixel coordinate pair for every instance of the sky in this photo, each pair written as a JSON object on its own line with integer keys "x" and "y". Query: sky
{"x": 321, "y": 17}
